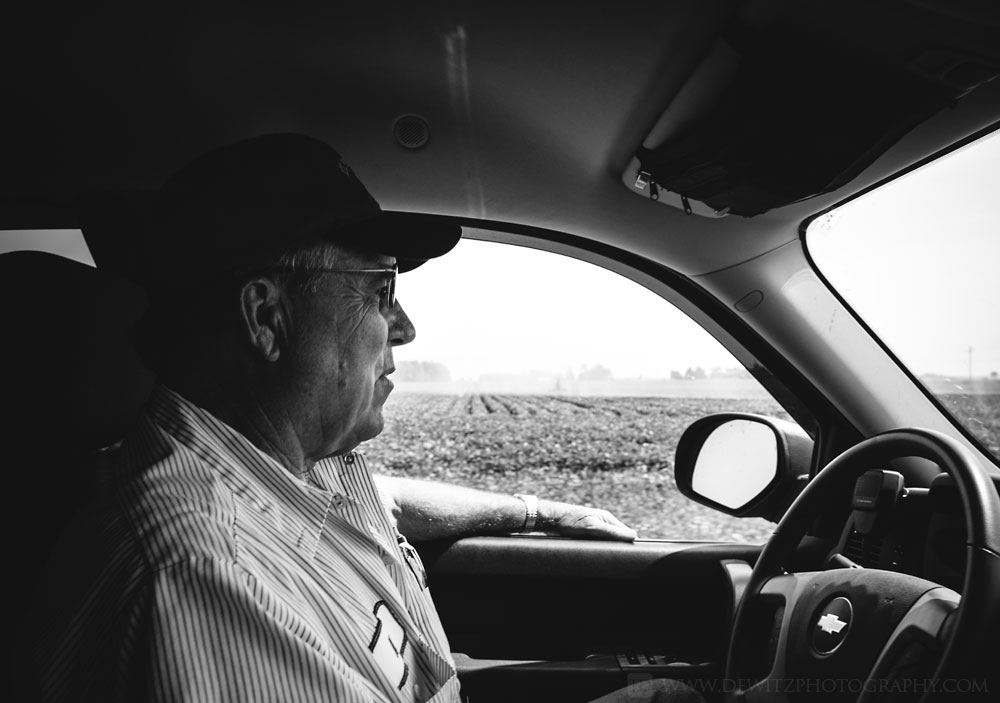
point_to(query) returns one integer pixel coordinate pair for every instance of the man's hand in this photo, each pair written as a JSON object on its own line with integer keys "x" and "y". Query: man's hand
{"x": 570, "y": 520}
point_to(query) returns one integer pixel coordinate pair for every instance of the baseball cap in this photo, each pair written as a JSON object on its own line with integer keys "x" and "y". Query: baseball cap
{"x": 239, "y": 205}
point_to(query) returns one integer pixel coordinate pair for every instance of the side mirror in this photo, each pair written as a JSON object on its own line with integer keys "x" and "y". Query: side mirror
{"x": 743, "y": 465}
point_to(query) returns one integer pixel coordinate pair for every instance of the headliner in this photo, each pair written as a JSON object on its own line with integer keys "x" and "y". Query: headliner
{"x": 534, "y": 113}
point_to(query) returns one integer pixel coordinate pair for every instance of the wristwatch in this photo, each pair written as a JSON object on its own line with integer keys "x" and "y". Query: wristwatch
{"x": 530, "y": 511}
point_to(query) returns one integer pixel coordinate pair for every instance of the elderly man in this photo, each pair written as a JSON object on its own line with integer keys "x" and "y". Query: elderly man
{"x": 239, "y": 549}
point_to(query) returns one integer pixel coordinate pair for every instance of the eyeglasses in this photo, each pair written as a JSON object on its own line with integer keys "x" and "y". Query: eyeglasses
{"x": 387, "y": 293}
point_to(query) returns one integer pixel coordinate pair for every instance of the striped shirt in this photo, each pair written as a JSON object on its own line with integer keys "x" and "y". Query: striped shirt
{"x": 204, "y": 571}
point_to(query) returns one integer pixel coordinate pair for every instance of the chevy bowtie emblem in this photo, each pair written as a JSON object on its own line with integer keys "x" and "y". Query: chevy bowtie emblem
{"x": 831, "y": 624}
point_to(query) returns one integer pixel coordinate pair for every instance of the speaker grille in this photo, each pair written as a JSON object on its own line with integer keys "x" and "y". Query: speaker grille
{"x": 411, "y": 131}
{"x": 863, "y": 550}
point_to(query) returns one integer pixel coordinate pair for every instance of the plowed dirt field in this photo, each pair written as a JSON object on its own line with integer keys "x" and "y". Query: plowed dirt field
{"x": 614, "y": 453}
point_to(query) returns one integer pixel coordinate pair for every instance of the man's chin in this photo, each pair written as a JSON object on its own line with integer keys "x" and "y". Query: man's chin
{"x": 374, "y": 426}
{"x": 368, "y": 428}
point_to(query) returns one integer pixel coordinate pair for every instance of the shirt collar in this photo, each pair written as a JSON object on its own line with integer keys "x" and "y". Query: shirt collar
{"x": 249, "y": 470}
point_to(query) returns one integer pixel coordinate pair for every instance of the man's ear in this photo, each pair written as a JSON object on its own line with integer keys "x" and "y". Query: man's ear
{"x": 264, "y": 316}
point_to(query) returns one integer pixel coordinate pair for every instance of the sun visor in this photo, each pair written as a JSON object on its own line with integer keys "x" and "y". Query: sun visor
{"x": 774, "y": 116}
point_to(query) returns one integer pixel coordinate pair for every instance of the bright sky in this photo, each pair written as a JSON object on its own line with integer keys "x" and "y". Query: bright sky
{"x": 919, "y": 260}
{"x": 494, "y": 308}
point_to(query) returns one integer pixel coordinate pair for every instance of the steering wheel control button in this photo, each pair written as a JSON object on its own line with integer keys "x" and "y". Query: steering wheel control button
{"x": 831, "y": 624}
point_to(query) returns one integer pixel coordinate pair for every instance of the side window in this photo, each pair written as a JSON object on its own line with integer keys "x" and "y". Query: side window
{"x": 916, "y": 259}
{"x": 68, "y": 243}
{"x": 537, "y": 373}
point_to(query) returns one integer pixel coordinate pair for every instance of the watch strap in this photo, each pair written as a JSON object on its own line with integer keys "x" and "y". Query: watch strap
{"x": 530, "y": 511}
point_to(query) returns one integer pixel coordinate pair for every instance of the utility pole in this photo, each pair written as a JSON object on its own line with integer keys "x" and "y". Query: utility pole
{"x": 970, "y": 363}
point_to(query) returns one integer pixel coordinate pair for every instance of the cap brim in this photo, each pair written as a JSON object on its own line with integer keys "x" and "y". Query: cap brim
{"x": 412, "y": 238}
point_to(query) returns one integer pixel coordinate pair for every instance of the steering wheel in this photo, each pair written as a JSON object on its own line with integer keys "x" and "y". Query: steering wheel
{"x": 864, "y": 634}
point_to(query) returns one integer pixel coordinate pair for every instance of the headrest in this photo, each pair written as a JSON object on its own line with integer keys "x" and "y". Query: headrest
{"x": 72, "y": 379}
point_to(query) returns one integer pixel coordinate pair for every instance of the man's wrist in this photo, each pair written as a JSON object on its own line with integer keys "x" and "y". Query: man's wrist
{"x": 530, "y": 511}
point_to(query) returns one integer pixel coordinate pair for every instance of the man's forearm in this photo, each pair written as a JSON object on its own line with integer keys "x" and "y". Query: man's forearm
{"x": 426, "y": 510}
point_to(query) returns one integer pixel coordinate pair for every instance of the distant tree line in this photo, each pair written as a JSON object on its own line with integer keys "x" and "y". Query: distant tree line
{"x": 595, "y": 373}
{"x": 600, "y": 372}
{"x": 717, "y": 372}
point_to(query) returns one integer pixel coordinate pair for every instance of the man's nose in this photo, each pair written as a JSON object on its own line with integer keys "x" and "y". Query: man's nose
{"x": 401, "y": 330}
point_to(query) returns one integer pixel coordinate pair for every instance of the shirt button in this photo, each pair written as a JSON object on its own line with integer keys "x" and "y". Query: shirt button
{"x": 349, "y": 459}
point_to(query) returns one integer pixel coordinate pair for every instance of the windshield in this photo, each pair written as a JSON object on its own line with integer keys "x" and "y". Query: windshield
{"x": 917, "y": 259}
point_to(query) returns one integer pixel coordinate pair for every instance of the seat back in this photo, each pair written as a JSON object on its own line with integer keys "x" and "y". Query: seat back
{"x": 72, "y": 383}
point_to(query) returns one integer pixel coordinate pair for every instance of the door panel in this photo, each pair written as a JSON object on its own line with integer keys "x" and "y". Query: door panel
{"x": 538, "y": 618}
